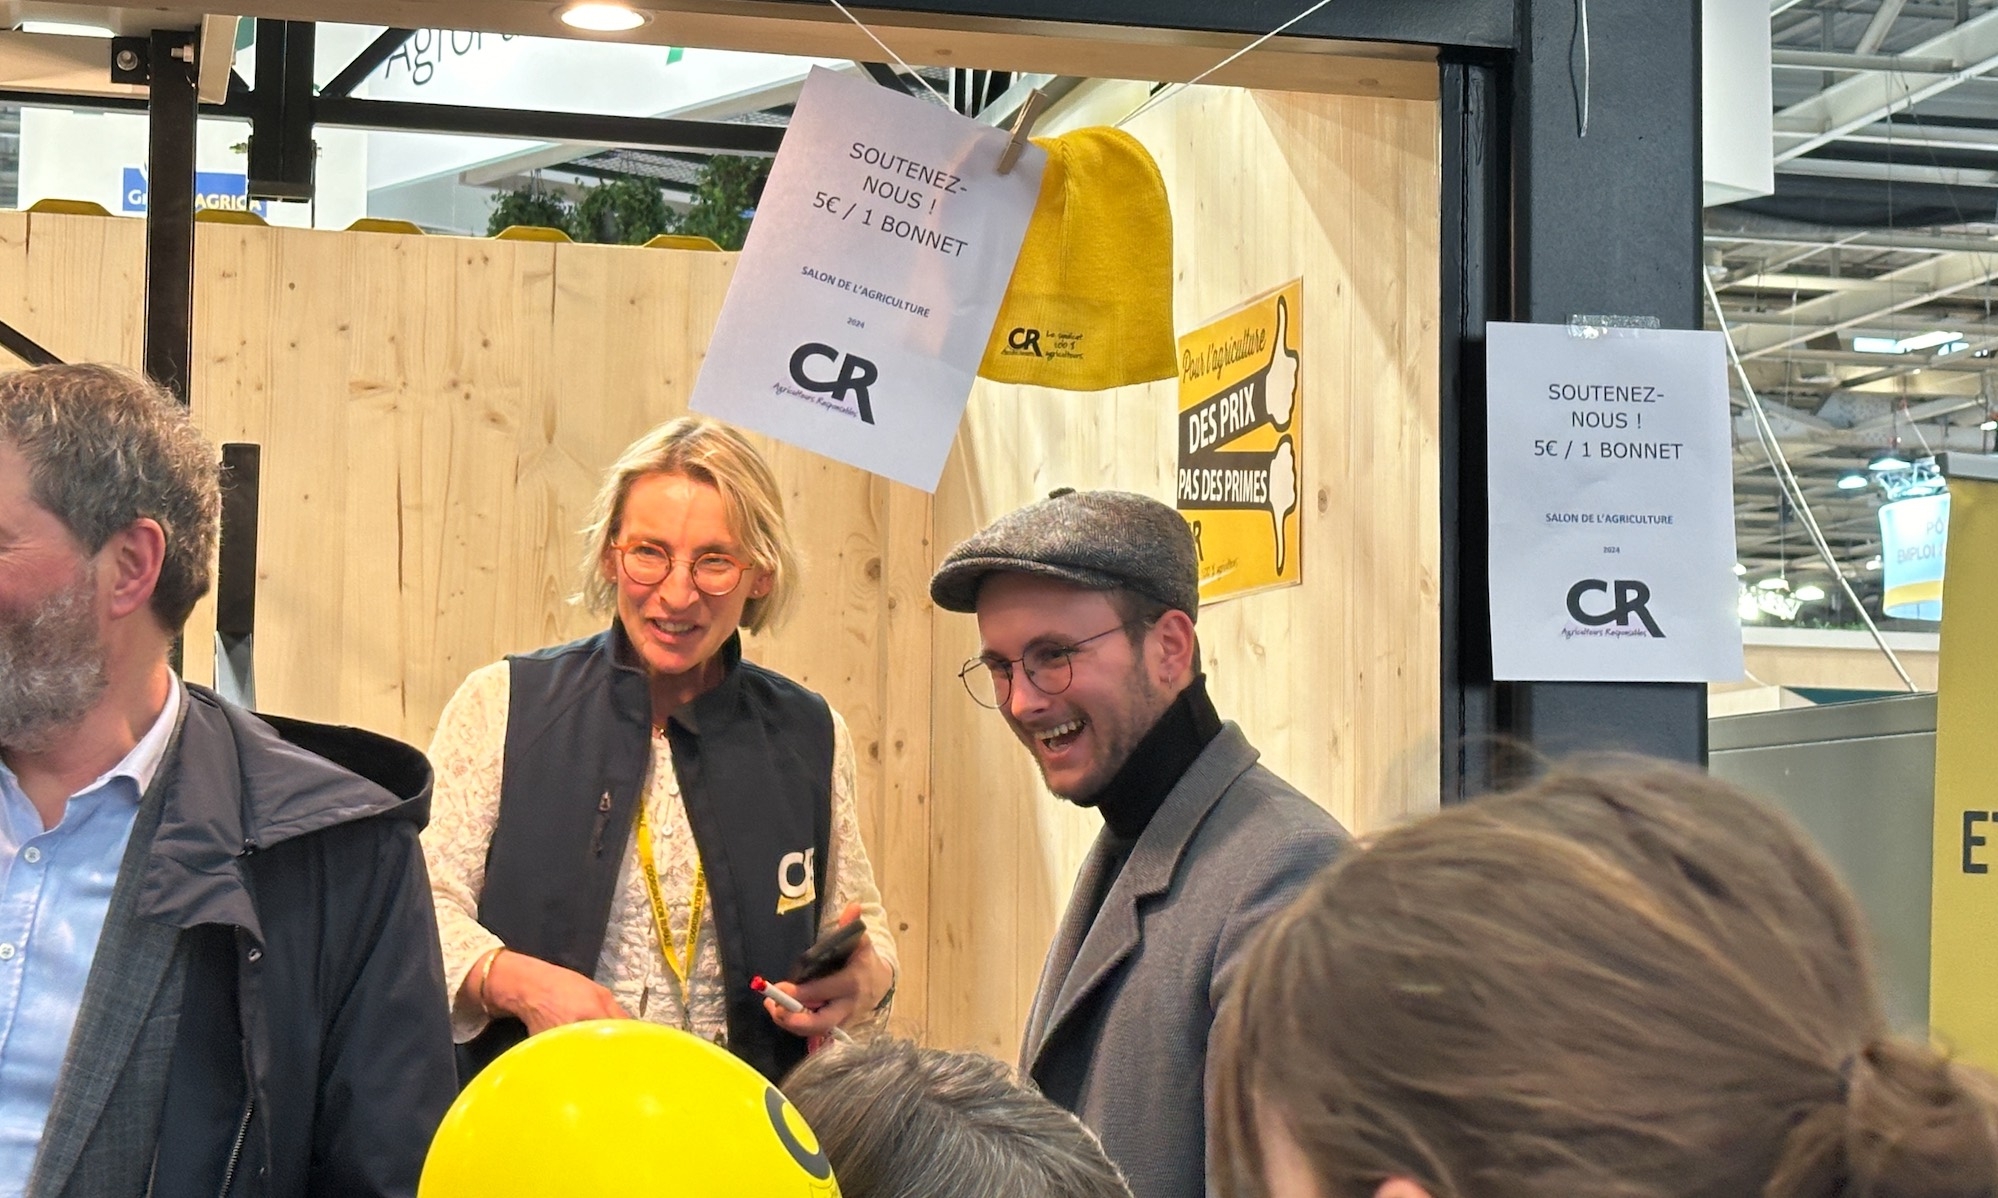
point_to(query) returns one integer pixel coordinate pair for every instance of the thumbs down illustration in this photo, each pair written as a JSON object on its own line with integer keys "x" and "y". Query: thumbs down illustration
{"x": 1282, "y": 492}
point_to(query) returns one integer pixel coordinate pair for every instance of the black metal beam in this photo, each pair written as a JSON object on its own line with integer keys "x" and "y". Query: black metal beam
{"x": 281, "y": 148}
{"x": 1607, "y": 224}
{"x": 236, "y": 556}
{"x": 653, "y": 132}
{"x": 1474, "y": 260}
{"x": 236, "y": 574}
{"x": 1486, "y": 24}
{"x": 885, "y": 75}
{"x": 364, "y": 64}
{"x": 171, "y": 107}
{"x": 1541, "y": 223}
{"x": 235, "y": 107}
{"x": 24, "y": 347}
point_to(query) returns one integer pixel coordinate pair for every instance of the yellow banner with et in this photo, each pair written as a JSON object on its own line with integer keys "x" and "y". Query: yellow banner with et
{"x": 1963, "y": 968}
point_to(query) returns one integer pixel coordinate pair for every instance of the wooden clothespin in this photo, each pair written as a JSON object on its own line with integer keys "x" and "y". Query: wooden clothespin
{"x": 1023, "y": 125}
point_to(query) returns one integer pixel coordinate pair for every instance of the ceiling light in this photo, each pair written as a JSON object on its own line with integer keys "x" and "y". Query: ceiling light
{"x": 65, "y": 28}
{"x": 1757, "y": 602}
{"x": 1810, "y": 592}
{"x": 1886, "y": 461}
{"x": 1851, "y": 482}
{"x": 1939, "y": 337}
{"x": 601, "y": 18}
{"x": 1989, "y": 426}
{"x": 1873, "y": 563}
{"x": 1739, "y": 569}
{"x": 1908, "y": 345}
{"x": 1773, "y": 584}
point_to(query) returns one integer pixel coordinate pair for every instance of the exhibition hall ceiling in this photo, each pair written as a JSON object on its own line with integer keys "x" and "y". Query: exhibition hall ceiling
{"x": 1861, "y": 294}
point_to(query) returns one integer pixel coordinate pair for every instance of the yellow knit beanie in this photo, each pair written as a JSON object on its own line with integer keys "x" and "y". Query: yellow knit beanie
{"x": 1090, "y": 302}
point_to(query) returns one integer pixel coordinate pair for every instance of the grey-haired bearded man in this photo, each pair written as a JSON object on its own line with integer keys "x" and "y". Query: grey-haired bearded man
{"x": 1086, "y": 605}
{"x": 219, "y": 970}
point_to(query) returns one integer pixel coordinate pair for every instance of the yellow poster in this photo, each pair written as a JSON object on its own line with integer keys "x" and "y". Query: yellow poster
{"x": 1963, "y": 955}
{"x": 1241, "y": 418}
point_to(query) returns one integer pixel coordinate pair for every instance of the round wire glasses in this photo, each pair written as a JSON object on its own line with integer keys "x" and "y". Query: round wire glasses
{"x": 1050, "y": 669}
{"x": 647, "y": 564}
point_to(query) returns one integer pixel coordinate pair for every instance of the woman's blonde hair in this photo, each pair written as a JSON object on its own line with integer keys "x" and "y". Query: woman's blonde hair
{"x": 710, "y": 452}
{"x": 1623, "y": 981}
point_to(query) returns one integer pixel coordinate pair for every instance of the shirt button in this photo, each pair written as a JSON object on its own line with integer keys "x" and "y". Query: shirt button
{"x": 31, "y": 854}
{"x": 6, "y": 952}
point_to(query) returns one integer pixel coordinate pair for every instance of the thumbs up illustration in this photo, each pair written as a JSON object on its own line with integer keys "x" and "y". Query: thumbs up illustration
{"x": 1282, "y": 385}
{"x": 1282, "y": 491}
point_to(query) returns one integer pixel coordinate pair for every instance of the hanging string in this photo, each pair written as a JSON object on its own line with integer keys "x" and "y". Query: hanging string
{"x": 1582, "y": 84}
{"x": 1786, "y": 479}
{"x": 1163, "y": 93}
{"x": 1154, "y": 99}
{"x": 860, "y": 25}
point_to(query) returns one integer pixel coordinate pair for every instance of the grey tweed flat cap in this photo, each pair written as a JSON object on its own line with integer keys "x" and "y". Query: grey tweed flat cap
{"x": 1101, "y": 540}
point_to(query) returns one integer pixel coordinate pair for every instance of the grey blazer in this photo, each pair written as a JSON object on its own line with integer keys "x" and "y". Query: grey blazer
{"x": 1119, "y": 1027}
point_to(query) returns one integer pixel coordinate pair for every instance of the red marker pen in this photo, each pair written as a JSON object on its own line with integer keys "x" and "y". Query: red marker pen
{"x": 786, "y": 1001}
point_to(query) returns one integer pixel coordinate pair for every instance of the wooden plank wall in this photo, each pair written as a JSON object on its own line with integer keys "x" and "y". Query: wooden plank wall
{"x": 1335, "y": 680}
{"x": 435, "y": 414}
{"x": 74, "y": 285}
{"x": 441, "y": 411}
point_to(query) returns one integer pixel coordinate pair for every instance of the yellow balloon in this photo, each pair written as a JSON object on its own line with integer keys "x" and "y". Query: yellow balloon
{"x": 618, "y": 1107}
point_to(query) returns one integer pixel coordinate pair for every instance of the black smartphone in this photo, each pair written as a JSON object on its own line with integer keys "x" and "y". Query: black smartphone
{"x": 830, "y": 954}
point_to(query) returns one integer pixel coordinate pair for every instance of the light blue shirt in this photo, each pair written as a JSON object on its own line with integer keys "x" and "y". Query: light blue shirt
{"x": 55, "y": 888}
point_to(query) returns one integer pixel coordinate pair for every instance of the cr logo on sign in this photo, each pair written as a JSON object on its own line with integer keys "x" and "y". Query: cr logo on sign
{"x": 855, "y": 376}
{"x": 1631, "y": 599}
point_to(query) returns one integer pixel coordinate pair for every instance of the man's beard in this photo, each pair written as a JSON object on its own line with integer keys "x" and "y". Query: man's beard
{"x": 52, "y": 667}
{"x": 1119, "y": 738}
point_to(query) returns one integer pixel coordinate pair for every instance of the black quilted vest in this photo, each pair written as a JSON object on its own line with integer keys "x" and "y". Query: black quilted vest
{"x": 754, "y": 761}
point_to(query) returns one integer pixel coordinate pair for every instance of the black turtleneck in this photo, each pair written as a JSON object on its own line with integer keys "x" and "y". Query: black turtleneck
{"x": 1134, "y": 794}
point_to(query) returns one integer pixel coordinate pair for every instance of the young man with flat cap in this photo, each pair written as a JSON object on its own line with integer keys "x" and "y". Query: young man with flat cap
{"x": 1086, "y": 605}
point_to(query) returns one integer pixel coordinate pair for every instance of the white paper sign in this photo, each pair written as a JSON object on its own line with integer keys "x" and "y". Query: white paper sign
{"x": 1612, "y": 506}
{"x": 870, "y": 279}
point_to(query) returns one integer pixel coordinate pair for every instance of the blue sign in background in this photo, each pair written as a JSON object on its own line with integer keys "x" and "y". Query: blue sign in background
{"x": 1914, "y": 539}
{"x": 212, "y": 189}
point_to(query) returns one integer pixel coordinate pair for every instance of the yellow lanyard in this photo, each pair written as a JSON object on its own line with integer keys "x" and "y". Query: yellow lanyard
{"x": 680, "y": 961}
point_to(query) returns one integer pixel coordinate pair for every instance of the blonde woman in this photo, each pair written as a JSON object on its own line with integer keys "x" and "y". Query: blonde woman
{"x": 638, "y": 823}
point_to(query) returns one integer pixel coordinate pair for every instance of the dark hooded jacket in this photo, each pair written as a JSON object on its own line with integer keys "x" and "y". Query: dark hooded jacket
{"x": 313, "y": 1051}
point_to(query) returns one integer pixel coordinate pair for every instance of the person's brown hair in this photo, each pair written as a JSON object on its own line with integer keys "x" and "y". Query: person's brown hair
{"x": 714, "y": 453}
{"x": 1625, "y": 980}
{"x": 105, "y": 447}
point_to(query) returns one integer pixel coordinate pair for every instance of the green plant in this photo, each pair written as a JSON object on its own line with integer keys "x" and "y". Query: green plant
{"x": 531, "y": 206}
{"x": 723, "y": 197}
{"x": 626, "y": 211}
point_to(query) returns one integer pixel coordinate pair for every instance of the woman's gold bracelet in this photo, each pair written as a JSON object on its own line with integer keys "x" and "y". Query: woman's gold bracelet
{"x": 486, "y": 976}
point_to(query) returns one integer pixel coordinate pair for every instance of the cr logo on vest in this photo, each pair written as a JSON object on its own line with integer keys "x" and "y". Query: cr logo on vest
{"x": 855, "y": 376}
{"x": 795, "y": 884}
{"x": 1632, "y": 597}
{"x": 1025, "y": 340}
